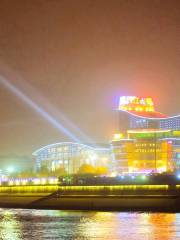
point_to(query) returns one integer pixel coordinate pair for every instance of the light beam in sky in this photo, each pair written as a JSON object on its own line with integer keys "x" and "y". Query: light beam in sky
{"x": 40, "y": 110}
{"x": 55, "y": 112}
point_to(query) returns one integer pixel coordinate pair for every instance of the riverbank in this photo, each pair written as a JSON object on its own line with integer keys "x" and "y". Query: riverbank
{"x": 126, "y": 203}
{"x": 121, "y": 197}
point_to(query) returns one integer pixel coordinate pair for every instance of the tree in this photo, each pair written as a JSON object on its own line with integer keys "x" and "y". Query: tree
{"x": 43, "y": 171}
{"x": 59, "y": 172}
{"x": 86, "y": 169}
{"x": 101, "y": 170}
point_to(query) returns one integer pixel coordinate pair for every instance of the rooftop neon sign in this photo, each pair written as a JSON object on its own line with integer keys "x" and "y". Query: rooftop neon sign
{"x": 133, "y": 103}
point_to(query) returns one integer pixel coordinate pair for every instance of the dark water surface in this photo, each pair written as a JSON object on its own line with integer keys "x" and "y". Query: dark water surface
{"x": 18, "y": 224}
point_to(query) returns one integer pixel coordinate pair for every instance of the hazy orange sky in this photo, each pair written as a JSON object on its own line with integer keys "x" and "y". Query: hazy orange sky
{"x": 79, "y": 56}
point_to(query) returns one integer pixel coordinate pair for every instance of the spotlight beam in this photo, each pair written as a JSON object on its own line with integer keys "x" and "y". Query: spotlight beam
{"x": 37, "y": 108}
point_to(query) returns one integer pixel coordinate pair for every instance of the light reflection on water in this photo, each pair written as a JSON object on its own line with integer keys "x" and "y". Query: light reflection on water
{"x": 17, "y": 224}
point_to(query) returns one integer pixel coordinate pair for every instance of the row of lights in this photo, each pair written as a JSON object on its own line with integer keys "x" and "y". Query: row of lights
{"x": 30, "y": 181}
{"x": 132, "y": 177}
{"x": 138, "y": 177}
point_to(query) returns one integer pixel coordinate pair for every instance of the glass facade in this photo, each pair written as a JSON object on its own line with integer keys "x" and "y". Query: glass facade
{"x": 127, "y": 120}
{"x": 70, "y": 156}
{"x": 170, "y": 123}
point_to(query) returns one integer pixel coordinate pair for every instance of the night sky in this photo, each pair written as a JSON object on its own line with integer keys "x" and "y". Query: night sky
{"x": 76, "y": 57}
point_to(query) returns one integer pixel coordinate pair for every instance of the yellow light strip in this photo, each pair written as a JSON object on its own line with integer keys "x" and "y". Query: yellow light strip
{"x": 148, "y": 131}
{"x": 51, "y": 188}
{"x": 111, "y": 188}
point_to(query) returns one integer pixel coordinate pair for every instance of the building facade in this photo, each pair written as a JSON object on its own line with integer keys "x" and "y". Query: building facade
{"x": 70, "y": 156}
{"x": 139, "y": 113}
{"x": 147, "y": 141}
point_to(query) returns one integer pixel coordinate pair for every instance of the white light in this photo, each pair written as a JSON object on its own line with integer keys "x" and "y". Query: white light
{"x": 36, "y": 181}
{"x": 113, "y": 174}
{"x": 43, "y": 181}
{"x": 17, "y": 182}
{"x": 56, "y": 180}
{"x": 24, "y": 181}
{"x": 10, "y": 169}
{"x": 11, "y": 182}
{"x": 51, "y": 180}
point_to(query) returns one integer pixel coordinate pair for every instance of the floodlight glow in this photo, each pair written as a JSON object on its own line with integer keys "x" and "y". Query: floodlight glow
{"x": 17, "y": 182}
{"x": 24, "y": 181}
{"x": 113, "y": 174}
{"x": 143, "y": 177}
{"x": 51, "y": 180}
{"x": 178, "y": 176}
{"x": 11, "y": 182}
{"x": 37, "y": 108}
{"x": 36, "y": 181}
{"x": 56, "y": 180}
{"x": 10, "y": 169}
{"x": 117, "y": 136}
{"x": 43, "y": 181}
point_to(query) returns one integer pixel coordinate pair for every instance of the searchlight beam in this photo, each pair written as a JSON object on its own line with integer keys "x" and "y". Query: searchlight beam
{"x": 37, "y": 108}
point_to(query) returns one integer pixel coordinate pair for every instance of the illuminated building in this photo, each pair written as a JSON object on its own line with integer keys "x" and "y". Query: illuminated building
{"x": 139, "y": 113}
{"x": 147, "y": 141}
{"x": 70, "y": 156}
{"x": 122, "y": 150}
{"x": 145, "y": 151}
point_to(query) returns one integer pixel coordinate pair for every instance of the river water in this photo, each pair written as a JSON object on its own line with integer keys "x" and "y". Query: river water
{"x": 18, "y": 224}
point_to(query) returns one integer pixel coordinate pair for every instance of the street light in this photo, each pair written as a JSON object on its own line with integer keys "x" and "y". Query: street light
{"x": 10, "y": 170}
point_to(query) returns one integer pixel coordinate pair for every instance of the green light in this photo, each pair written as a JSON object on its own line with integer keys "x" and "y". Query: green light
{"x": 143, "y": 177}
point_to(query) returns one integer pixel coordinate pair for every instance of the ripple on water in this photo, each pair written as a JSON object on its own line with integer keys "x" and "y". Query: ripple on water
{"x": 16, "y": 224}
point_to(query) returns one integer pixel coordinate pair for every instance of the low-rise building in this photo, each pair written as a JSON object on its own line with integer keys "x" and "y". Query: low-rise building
{"x": 70, "y": 156}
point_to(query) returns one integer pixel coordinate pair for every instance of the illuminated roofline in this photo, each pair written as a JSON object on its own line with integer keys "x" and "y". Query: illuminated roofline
{"x": 135, "y": 115}
{"x": 149, "y": 131}
{"x": 172, "y": 117}
{"x": 99, "y": 149}
{"x": 60, "y": 143}
{"x": 123, "y": 139}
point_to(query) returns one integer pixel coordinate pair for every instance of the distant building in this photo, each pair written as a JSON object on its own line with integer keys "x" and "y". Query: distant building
{"x": 70, "y": 156}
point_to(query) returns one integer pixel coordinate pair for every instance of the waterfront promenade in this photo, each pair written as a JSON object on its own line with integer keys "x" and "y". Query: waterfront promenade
{"x": 116, "y": 197}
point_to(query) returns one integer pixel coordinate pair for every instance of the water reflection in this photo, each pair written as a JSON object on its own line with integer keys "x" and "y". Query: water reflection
{"x": 107, "y": 225}
{"x": 10, "y": 228}
{"x": 86, "y": 225}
